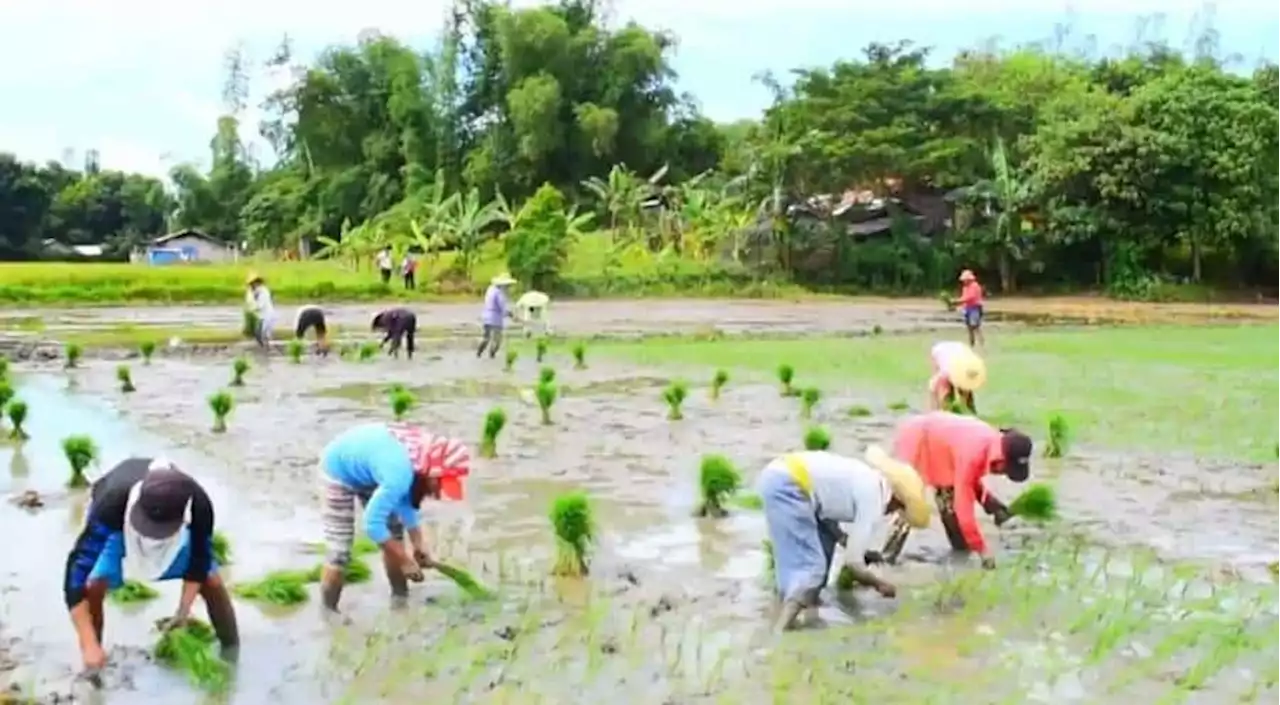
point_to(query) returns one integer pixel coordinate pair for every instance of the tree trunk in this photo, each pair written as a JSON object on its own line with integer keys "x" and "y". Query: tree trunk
{"x": 1196, "y": 255}
{"x": 1007, "y": 283}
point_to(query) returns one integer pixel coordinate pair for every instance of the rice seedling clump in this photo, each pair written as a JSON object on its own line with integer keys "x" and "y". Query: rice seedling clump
{"x": 574, "y": 526}
{"x": 718, "y": 380}
{"x": 190, "y": 648}
{"x": 718, "y": 480}
{"x": 546, "y": 395}
{"x": 133, "y": 591}
{"x": 674, "y": 396}
{"x": 17, "y": 412}
{"x": 239, "y": 367}
{"x": 817, "y": 438}
{"x": 494, "y": 422}
{"x": 1038, "y": 503}
{"x": 220, "y": 404}
{"x": 786, "y": 376}
{"x": 80, "y": 451}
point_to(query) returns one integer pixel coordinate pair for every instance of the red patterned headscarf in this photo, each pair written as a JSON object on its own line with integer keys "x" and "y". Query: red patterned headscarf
{"x": 445, "y": 459}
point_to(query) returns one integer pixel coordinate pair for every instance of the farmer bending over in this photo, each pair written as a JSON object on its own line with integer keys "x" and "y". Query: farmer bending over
{"x": 259, "y": 300}
{"x": 805, "y": 497}
{"x": 312, "y": 318}
{"x": 398, "y": 323}
{"x": 953, "y": 453}
{"x": 496, "y": 311}
{"x": 533, "y": 307}
{"x": 151, "y": 520}
{"x": 390, "y": 469}
{"x": 957, "y": 373}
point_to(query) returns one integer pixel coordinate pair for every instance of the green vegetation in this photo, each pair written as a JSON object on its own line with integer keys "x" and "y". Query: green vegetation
{"x": 1039, "y": 503}
{"x": 718, "y": 480}
{"x": 1059, "y": 437}
{"x": 546, "y": 375}
{"x": 545, "y": 393}
{"x": 494, "y": 422}
{"x": 283, "y": 587}
{"x": 817, "y": 438}
{"x": 573, "y": 522}
{"x": 579, "y": 355}
{"x": 509, "y": 362}
{"x": 248, "y": 324}
{"x": 809, "y": 397}
{"x": 674, "y": 395}
{"x": 6, "y": 391}
{"x": 857, "y": 411}
{"x": 786, "y": 375}
{"x": 540, "y": 350}
{"x": 402, "y": 401}
{"x": 125, "y": 377}
{"x": 718, "y": 380}
{"x": 221, "y": 548}
{"x": 295, "y": 348}
{"x": 220, "y": 403}
{"x": 190, "y": 648}
{"x": 80, "y": 451}
{"x": 72, "y": 353}
{"x": 17, "y": 411}
{"x": 239, "y": 367}
{"x": 367, "y": 351}
{"x": 133, "y": 591}
{"x": 147, "y": 348}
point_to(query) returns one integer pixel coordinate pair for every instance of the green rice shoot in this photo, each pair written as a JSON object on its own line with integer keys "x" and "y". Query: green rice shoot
{"x": 465, "y": 581}
{"x": 402, "y": 402}
{"x": 125, "y": 376}
{"x": 80, "y": 451}
{"x": 817, "y": 438}
{"x": 220, "y": 403}
{"x": 546, "y": 374}
{"x": 1059, "y": 437}
{"x": 539, "y": 350}
{"x": 674, "y": 395}
{"x": 809, "y": 398}
{"x": 367, "y": 351}
{"x": 786, "y": 376}
{"x": 73, "y": 352}
{"x": 748, "y": 500}
{"x": 249, "y": 324}
{"x": 283, "y": 587}
{"x": 494, "y": 422}
{"x": 221, "y": 546}
{"x": 510, "y": 361}
{"x": 579, "y": 356}
{"x": 546, "y": 395}
{"x": 857, "y": 411}
{"x": 133, "y": 591}
{"x": 294, "y": 348}
{"x": 718, "y": 380}
{"x": 17, "y": 412}
{"x": 574, "y": 526}
{"x": 844, "y": 579}
{"x": 239, "y": 367}
{"x": 1038, "y": 503}
{"x": 191, "y": 649}
{"x": 147, "y": 348}
{"x": 7, "y": 392}
{"x": 718, "y": 480}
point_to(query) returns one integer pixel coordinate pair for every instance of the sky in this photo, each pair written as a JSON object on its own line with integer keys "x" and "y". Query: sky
{"x": 141, "y": 81}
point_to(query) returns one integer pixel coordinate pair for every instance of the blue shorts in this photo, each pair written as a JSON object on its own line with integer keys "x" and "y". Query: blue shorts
{"x": 110, "y": 564}
{"x": 973, "y": 316}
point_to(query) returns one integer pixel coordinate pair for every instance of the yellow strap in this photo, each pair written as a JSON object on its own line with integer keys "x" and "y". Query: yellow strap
{"x": 799, "y": 472}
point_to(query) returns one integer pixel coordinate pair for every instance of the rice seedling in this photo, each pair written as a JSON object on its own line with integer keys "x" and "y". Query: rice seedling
{"x": 674, "y": 395}
{"x": 239, "y": 367}
{"x": 190, "y": 648}
{"x": 546, "y": 395}
{"x": 353, "y": 573}
{"x": 367, "y": 351}
{"x": 294, "y": 348}
{"x": 571, "y": 519}
{"x": 899, "y": 406}
{"x": 494, "y": 421}
{"x": 147, "y": 348}
{"x": 80, "y": 451}
{"x": 718, "y": 480}
{"x": 1059, "y": 437}
{"x": 249, "y": 324}
{"x": 283, "y": 587}
{"x": 718, "y": 380}
{"x": 876, "y": 329}
{"x": 748, "y": 500}
{"x": 133, "y": 591}
{"x": 787, "y": 375}
{"x": 844, "y": 579}
{"x": 361, "y": 546}
{"x": 1038, "y": 503}
{"x": 221, "y": 547}
{"x": 857, "y": 412}
{"x": 402, "y": 402}
{"x": 73, "y": 352}
{"x": 579, "y": 355}
{"x": 539, "y": 350}
{"x": 546, "y": 375}
{"x": 809, "y": 397}
{"x": 948, "y": 303}
{"x": 817, "y": 438}
{"x": 125, "y": 377}
{"x": 510, "y": 362}
{"x": 4, "y": 367}
{"x": 17, "y": 411}
{"x": 6, "y": 391}
{"x": 465, "y": 581}
{"x": 220, "y": 403}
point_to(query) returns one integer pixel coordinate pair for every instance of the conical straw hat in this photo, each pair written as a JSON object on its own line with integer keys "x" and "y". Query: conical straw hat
{"x": 905, "y": 483}
{"x": 966, "y": 371}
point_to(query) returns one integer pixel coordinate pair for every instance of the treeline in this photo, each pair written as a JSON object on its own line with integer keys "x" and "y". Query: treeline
{"x": 1042, "y": 167}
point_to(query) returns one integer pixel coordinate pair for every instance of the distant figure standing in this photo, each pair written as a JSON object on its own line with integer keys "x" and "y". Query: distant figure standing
{"x": 970, "y": 303}
{"x": 496, "y": 311}
{"x": 384, "y": 264}
{"x": 259, "y": 300}
{"x": 409, "y": 270}
{"x": 398, "y": 324}
{"x": 309, "y": 318}
{"x": 533, "y": 307}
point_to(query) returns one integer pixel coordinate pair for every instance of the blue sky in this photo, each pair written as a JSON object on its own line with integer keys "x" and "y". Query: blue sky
{"x": 140, "y": 81}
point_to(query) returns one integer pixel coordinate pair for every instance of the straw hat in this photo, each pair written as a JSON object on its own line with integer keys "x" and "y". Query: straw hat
{"x": 503, "y": 279}
{"x": 533, "y": 299}
{"x": 251, "y": 278}
{"x": 967, "y": 275}
{"x": 966, "y": 371}
{"x": 906, "y": 484}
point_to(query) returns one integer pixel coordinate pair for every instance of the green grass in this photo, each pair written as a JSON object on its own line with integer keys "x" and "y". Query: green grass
{"x": 1211, "y": 390}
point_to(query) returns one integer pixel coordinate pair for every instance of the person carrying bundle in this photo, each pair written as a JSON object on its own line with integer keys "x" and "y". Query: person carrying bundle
{"x": 534, "y": 316}
{"x": 953, "y": 453}
{"x": 807, "y": 495}
{"x": 259, "y": 302}
{"x": 958, "y": 372}
{"x": 312, "y": 318}
{"x": 389, "y": 469}
{"x": 398, "y": 324}
{"x": 146, "y": 520}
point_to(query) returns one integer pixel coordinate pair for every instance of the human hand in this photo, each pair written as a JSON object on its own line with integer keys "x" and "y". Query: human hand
{"x": 423, "y": 559}
{"x": 93, "y": 656}
{"x": 886, "y": 589}
{"x": 413, "y": 572}
{"x": 1002, "y": 518}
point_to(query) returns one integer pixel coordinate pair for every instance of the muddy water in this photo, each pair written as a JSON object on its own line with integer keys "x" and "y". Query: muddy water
{"x": 685, "y": 594}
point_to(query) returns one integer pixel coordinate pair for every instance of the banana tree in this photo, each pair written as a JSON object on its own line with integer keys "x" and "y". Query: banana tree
{"x": 1003, "y": 198}
{"x": 465, "y": 220}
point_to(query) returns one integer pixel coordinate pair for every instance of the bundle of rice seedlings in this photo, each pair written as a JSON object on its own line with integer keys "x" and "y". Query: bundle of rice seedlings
{"x": 817, "y": 438}
{"x": 191, "y": 648}
{"x": 80, "y": 451}
{"x": 17, "y": 411}
{"x": 465, "y": 581}
{"x": 401, "y": 402}
{"x": 220, "y": 404}
{"x": 546, "y": 394}
{"x": 809, "y": 397}
{"x": 221, "y": 548}
{"x": 787, "y": 375}
{"x": 674, "y": 395}
{"x": 546, "y": 375}
{"x": 718, "y": 480}
{"x": 844, "y": 579}
{"x": 494, "y": 422}
{"x": 510, "y": 359}
{"x": 239, "y": 367}
{"x": 574, "y": 526}
{"x": 1059, "y": 437}
{"x": 125, "y": 376}
{"x": 147, "y": 348}
{"x": 249, "y": 324}
{"x": 579, "y": 356}
{"x": 294, "y": 348}
{"x": 539, "y": 349}
{"x": 284, "y": 587}
{"x": 73, "y": 353}
{"x": 718, "y": 380}
{"x": 133, "y": 591}
{"x": 749, "y": 500}
{"x": 1038, "y": 503}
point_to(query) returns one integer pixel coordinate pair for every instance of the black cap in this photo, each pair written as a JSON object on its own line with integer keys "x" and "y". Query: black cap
{"x": 1017, "y": 454}
{"x": 161, "y": 509}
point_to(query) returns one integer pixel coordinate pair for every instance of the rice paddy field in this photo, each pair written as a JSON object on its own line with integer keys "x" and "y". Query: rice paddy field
{"x": 1157, "y": 581}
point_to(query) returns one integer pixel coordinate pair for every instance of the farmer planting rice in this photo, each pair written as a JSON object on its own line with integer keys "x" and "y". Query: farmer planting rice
{"x": 151, "y": 521}
{"x": 533, "y": 313}
{"x": 807, "y": 495}
{"x": 259, "y": 300}
{"x": 398, "y": 324}
{"x": 312, "y": 318}
{"x": 970, "y": 303}
{"x": 390, "y": 469}
{"x": 957, "y": 373}
{"x": 497, "y": 309}
{"x": 952, "y": 454}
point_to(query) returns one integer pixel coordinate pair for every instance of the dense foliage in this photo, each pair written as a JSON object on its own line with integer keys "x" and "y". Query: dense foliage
{"x": 1038, "y": 167}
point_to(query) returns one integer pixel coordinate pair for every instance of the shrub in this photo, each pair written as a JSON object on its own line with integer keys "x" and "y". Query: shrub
{"x": 538, "y": 244}
{"x": 571, "y": 519}
{"x": 718, "y": 480}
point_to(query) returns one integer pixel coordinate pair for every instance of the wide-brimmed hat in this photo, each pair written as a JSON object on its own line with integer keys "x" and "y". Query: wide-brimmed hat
{"x": 905, "y": 483}
{"x": 966, "y": 371}
{"x": 446, "y": 460}
{"x": 533, "y": 299}
{"x": 164, "y": 497}
{"x": 252, "y": 278}
{"x": 503, "y": 279}
{"x": 967, "y": 275}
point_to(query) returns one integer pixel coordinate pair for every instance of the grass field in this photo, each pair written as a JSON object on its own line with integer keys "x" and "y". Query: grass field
{"x": 637, "y": 273}
{"x": 1210, "y": 390}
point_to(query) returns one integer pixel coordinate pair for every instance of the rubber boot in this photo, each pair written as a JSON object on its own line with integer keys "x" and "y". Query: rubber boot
{"x": 221, "y": 611}
{"x": 331, "y": 581}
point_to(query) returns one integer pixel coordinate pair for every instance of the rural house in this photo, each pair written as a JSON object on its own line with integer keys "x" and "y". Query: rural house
{"x": 185, "y": 246}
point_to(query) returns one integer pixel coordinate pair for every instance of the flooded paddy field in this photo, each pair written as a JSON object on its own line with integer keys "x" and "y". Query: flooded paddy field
{"x": 1158, "y": 583}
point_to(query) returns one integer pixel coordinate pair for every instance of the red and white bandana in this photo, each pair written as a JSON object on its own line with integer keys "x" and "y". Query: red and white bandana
{"x": 436, "y": 456}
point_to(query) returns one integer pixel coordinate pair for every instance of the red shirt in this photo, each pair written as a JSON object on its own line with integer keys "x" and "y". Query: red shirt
{"x": 950, "y": 450}
{"x": 971, "y": 294}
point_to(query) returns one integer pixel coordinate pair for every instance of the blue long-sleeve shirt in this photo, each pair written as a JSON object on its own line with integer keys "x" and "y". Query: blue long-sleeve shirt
{"x": 368, "y": 459}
